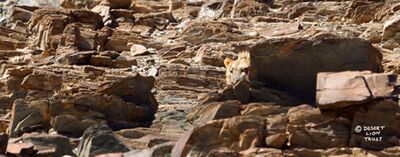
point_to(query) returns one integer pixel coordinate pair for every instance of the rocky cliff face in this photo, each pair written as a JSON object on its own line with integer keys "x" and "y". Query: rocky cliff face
{"x": 148, "y": 78}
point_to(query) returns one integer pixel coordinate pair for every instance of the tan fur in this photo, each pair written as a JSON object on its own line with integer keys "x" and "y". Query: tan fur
{"x": 237, "y": 70}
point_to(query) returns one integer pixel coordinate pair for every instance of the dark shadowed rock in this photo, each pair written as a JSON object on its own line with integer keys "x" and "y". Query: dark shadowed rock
{"x": 43, "y": 143}
{"x": 99, "y": 139}
{"x": 3, "y": 143}
{"x": 28, "y": 116}
{"x": 135, "y": 89}
{"x": 293, "y": 64}
{"x": 379, "y": 117}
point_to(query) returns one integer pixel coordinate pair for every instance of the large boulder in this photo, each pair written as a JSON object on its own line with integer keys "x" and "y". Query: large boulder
{"x": 99, "y": 139}
{"x": 136, "y": 89}
{"x": 73, "y": 125}
{"x": 277, "y": 120}
{"x": 235, "y": 134}
{"x": 44, "y": 82}
{"x": 73, "y": 116}
{"x": 28, "y": 116}
{"x": 54, "y": 145}
{"x": 343, "y": 89}
{"x": 309, "y": 128}
{"x": 377, "y": 127}
{"x": 293, "y": 64}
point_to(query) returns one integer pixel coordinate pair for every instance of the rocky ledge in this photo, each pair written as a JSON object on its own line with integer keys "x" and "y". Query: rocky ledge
{"x": 204, "y": 78}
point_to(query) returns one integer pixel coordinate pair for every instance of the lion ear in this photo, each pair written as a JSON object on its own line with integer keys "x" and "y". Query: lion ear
{"x": 228, "y": 62}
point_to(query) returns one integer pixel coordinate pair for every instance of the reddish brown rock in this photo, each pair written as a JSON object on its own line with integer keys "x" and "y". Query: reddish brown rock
{"x": 203, "y": 113}
{"x": 71, "y": 69}
{"x": 28, "y": 116}
{"x": 237, "y": 134}
{"x": 120, "y": 39}
{"x": 132, "y": 89}
{"x": 45, "y": 82}
{"x": 309, "y": 128}
{"x": 102, "y": 61}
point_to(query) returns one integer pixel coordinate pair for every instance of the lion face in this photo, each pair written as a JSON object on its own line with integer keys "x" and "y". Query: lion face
{"x": 237, "y": 70}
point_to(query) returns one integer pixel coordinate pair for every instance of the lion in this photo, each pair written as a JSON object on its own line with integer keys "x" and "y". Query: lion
{"x": 237, "y": 70}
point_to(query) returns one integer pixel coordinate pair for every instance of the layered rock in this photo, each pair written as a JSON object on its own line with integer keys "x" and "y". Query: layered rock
{"x": 389, "y": 36}
{"x": 305, "y": 127}
{"x": 350, "y": 88}
{"x": 11, "y": 39}
{"x": 50, "y": 25}
{"x": 121, "y": 102}
{"x": 64, "y": 71}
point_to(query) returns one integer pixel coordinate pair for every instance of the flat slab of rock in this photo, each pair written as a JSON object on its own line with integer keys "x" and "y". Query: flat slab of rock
{"x": 20, "y": 149}
{"x": 335, "y": 90}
